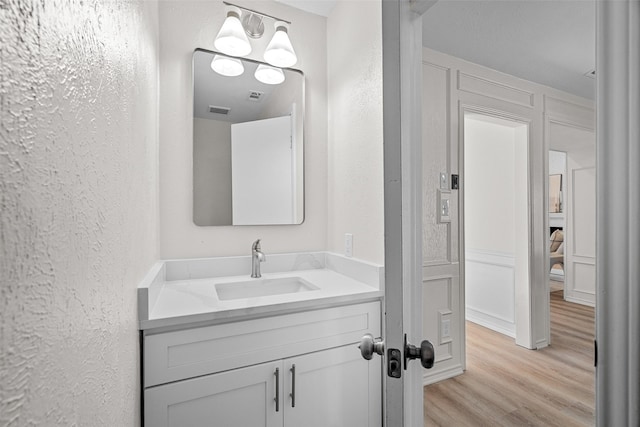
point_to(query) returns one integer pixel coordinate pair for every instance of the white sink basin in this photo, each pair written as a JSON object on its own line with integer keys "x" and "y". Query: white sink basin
{"x": 262, "y": 288}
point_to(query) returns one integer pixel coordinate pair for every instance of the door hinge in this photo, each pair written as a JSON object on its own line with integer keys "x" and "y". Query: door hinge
{"x": 595, "y": 353}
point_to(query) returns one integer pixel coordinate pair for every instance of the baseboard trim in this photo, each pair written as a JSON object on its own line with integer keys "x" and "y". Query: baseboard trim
{"x": 491, "y": 322}
{"x": 540, "y": 344}
{"x": 445, "y": 374}
{"x": 578, "y": 300}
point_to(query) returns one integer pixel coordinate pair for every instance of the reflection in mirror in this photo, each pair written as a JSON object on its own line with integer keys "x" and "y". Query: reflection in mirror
{"x": 555, "y": 193}
{"x": 247, "y": 142}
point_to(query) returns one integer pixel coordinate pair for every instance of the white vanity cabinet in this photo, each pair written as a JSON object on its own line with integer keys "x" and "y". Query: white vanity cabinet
{"x": 238, "y": 398}
{"x": 301, "y": 369}
{"x": 333, "y": 388}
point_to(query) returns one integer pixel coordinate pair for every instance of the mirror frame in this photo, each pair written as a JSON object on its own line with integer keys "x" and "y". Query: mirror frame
{"x": 304, "y": 139}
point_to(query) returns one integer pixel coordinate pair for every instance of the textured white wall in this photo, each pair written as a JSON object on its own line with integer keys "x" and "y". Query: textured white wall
{"x": 355, "y": 185}
{"x": 212, "y": 171}
{"x": 187, "y": 25}
{"x": 78, "y": 207}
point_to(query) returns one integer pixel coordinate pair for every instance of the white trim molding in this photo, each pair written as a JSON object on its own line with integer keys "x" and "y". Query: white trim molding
{"x": 490, "y": 290}
{"x": 618, "y": 210}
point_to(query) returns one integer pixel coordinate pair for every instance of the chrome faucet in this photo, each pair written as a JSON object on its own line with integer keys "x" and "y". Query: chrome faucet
{"x": 256, "y": 258}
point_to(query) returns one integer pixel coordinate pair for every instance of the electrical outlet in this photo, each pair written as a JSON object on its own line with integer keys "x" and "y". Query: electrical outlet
{"x": 445, "y": 329}
{"x": 348, "y": 245}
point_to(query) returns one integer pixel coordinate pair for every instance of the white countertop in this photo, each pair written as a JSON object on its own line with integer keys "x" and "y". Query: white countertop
{"x": 170, "y": 303}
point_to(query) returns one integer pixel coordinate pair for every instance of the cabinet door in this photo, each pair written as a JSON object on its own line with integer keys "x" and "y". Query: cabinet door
{"x": 238, "y": 398}
{"x": 333, "y": 388}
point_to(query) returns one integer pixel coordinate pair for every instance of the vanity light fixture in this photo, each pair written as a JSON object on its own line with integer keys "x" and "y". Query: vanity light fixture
{"x": 269, "y": 75}
{"x": 231, "y": 38}
{"x": 226, "y": 66}
{"x": 279, "y": 52}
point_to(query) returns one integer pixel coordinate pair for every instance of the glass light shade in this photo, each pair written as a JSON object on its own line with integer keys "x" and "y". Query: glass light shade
{"x": 231, "y": 38}
{"x": 279, "y": 52}
{"x": 226, "y": 66}
{"x": 269, "y": 75}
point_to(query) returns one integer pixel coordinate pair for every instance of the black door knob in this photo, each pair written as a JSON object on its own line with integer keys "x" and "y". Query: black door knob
{"x": 425, "y": 353}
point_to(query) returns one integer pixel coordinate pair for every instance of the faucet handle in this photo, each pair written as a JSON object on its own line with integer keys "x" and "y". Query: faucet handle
{"x": 256, "y": 245}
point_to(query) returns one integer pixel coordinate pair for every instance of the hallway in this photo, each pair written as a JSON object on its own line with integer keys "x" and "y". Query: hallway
{"x": 507, "y": 385}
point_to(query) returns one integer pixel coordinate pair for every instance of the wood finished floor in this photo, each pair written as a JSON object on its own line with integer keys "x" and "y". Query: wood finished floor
{"x": 507, "y": 385}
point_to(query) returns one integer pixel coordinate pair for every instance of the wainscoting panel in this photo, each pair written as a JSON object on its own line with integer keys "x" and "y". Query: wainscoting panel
{"x": 580, "y": 259}
{"x": 481, "y": 86}
{"x": 441, "y": 297}
{"x": 490, "y": 290}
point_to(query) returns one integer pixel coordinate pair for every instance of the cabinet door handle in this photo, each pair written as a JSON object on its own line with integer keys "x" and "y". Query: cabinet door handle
{"x": 293, "y": 386}
{"x": 277, "y": 398}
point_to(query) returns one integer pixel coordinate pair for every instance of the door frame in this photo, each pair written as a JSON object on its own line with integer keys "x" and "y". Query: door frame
{"x": 617, "y": 229}
{"x": 402, "y": 106}
{"x": 523, "y": 306}
{"x": 617, "y": 165}
{"x": 574, "y": 122}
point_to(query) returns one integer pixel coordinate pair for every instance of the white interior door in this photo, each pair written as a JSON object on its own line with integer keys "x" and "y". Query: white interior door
{"x": 262, "y": 174}
{"x": 402, "y": 58}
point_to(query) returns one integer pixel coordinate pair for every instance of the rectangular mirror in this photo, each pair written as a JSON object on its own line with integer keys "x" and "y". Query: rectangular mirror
{"x": 248, "y": 143}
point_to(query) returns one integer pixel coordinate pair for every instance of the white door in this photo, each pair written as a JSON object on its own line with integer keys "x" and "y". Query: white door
{"x": 402, "y": 58}
{"x": 262, "y": 172}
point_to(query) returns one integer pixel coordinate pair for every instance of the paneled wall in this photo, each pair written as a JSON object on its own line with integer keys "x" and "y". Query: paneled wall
{"x": 452, "y": 87}
{"x": 580, "y": 258}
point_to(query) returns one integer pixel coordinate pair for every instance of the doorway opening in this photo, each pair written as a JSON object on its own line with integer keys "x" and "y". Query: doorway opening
{"x": 496, "y": 224}
{"x": 572, "y": 227}
{"x": 557, "y": 224}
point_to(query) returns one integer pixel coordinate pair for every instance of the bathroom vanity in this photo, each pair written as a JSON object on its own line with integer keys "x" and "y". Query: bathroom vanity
{"x": 221, "y": 348}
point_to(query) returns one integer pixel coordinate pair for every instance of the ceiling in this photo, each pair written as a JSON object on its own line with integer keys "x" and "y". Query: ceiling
{"x": 319, "y": 7}
{"x": 551, "y": 42}
{"x": 547, "y": 42}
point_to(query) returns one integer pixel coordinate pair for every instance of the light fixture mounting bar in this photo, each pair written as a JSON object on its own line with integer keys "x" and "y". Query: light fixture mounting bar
{"x": 256, "y": 12}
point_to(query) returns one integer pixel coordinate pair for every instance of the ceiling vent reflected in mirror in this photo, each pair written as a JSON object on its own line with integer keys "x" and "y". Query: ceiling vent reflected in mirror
{"x": 219, "y": 110}
{"x": 255, "y": 96}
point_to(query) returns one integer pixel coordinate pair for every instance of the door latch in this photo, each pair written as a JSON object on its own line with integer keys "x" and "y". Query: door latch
{"x": 394, "y": 363}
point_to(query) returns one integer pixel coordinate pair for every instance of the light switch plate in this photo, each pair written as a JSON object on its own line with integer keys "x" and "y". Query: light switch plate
{"x": 445, "y": 322}
{"x": 443, "y": 181}
{"x": 444, "y": 206}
